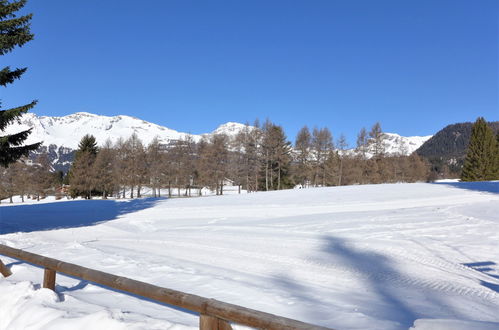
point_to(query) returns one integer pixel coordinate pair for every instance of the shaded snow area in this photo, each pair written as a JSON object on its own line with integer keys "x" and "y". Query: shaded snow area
{"x": 420, "y": 256}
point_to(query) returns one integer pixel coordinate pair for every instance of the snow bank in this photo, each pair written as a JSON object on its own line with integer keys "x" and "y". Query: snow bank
{"x": 356, "y": 257}
{"x": 23, "y": 307}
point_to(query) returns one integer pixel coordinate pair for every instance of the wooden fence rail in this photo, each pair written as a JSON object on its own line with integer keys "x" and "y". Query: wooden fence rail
{"x": 214, "y": 314}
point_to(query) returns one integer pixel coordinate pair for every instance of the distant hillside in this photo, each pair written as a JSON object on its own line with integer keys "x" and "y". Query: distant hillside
{"x": 447, "y": 148}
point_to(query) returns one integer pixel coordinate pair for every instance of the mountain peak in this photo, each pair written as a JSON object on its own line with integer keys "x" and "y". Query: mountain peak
{"x": 229, "y": 128}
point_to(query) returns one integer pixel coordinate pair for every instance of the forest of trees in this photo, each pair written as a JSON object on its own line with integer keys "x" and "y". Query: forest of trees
{"x": 259, "y": 158}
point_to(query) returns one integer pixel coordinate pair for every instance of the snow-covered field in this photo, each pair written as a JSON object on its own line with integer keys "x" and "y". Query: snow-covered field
{"x": 356, "y": 257}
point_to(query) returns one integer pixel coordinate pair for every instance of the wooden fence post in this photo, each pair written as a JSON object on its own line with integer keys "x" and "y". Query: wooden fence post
{"x": 49, "y": 279}
{"x": 214, "y": 314}
{"x": 4, "y": 270}
{"x": 207, "y": 322}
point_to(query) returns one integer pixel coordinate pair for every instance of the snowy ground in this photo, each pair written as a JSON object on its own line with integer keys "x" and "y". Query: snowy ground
{"x": 356, "y": 257}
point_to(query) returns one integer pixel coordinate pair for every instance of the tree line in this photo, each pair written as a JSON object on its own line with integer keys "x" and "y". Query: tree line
{"x": 258, "y": 158}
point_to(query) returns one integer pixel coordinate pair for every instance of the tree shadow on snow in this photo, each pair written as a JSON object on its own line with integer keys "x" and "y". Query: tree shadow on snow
{"x": 386, "y": 290}
{"x": 484, "y": 186}
{"x": 378, "y": 271}
{"x": 71, "y": 214}
{"x": 62, "y": 290}
{"x": 375, "y": 269}
{"x": 485, "y": 267}
{"x": 313, "y": 310}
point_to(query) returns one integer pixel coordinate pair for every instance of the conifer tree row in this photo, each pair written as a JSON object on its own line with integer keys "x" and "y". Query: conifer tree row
{"x": 14, "y": 32}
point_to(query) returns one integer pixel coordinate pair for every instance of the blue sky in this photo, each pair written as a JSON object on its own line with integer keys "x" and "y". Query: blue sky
{"x": 414, "y": 66}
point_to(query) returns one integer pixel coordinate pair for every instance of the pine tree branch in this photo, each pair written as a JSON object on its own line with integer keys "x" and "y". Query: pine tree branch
{"x": 9, "y": 116}
{"x": 14, "y": 139}
{"x": 13, "y": 38}
{"x": 9, "y": 25}
{"x": 7, "y": 76}
{"x": 7, "y": 9}
{"x": 12, "y": 154}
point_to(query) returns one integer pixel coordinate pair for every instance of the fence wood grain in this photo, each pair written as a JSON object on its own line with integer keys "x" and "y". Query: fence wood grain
{"x": 208, "y": 309}
{"x": 4, "y": 270}
{"x": 49, "y": 279}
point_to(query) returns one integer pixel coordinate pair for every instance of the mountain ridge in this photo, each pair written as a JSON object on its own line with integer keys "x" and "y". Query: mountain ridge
{"x": 61, "y": 135}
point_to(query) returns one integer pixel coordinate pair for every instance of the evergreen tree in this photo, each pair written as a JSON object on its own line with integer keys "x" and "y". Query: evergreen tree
{"x": 87, "y": 144}
{"x": 81, "y": 175}
{"x": 14, "y": 32}
{"x": 480, "y": 163}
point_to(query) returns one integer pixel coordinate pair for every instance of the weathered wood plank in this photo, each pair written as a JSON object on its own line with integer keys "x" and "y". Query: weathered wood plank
{"x": 4, "y": 270}
{"x": 207, "y": 322}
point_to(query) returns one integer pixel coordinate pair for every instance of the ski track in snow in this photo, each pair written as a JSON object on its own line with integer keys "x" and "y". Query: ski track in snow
{"x": 378, "y": 256}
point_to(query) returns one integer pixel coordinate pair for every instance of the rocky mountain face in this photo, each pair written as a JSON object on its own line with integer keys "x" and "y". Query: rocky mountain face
{"x": 61, "y": 135}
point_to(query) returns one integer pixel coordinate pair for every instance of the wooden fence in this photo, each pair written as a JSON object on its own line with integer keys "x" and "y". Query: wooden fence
{"x": 213, "y": 314}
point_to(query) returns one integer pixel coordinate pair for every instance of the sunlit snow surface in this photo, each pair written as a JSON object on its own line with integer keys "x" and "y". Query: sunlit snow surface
{"x": 357, "y": 257}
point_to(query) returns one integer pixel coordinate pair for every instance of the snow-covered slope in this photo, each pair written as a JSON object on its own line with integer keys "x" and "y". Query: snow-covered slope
{"x": 354, "y": 257}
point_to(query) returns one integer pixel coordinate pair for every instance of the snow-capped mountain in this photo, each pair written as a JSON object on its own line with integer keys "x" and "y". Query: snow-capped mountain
{"x": 67, "y": 131}
{"x": 229, "y": 129}
{"x": 61, "y": 135}
{"x": 403, "y": 145}
{"x": 395, "y": 144}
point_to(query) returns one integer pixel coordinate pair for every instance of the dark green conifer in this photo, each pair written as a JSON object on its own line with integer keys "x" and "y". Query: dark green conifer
{"x": 480, "y": 163}
{"x": 81, "y": 174}
{"x": 14, "y": 31}
{"x": 87, "y": 144}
